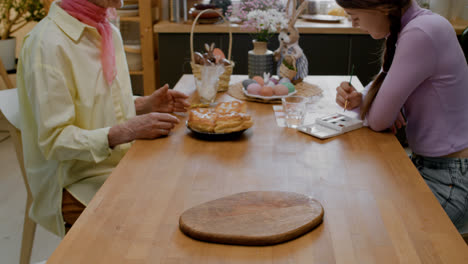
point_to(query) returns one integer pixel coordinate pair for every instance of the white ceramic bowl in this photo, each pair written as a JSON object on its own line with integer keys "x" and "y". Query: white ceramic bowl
{"x": 134, "y": 60}
{"x": 127, "y": 13}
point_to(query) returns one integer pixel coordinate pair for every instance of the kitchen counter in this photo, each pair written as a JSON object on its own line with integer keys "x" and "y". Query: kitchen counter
{"x": 303, "y": 26}
{"x": 331, "y": 48}
{"x": 459, "y": 25}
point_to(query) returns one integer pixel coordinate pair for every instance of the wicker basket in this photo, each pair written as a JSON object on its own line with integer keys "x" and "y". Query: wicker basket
{"x": 286, "y": 72}
{"x": 223, "y": 82}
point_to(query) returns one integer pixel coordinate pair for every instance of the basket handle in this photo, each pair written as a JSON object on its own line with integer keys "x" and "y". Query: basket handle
{"x": 293, "y": 62}
{"x": 193, "y": 27}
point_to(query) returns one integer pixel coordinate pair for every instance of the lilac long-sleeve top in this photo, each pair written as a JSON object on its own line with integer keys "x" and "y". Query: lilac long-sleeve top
{"x": 429, "y": 80}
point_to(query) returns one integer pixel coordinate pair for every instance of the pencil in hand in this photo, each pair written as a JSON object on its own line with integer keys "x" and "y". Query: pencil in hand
{"x": 350, "y": 79}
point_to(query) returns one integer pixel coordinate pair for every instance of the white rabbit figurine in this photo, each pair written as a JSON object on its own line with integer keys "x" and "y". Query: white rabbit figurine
{"x": 289, "y": 49}
{"x": 267, "y": 79}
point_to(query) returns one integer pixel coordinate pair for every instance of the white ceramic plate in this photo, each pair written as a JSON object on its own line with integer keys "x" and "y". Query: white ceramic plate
{"x": 128, "y": 6}
{"x": 215, "y": 136}
{"x": 274, "y": 97}
{"x": 323, "y": 18}
{"x": 127, "y": 12}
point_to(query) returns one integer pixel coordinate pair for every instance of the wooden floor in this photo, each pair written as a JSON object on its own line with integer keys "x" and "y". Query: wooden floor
{"x": 12, "y": 201}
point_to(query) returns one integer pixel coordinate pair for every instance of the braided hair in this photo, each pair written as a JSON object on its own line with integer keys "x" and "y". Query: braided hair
{"x": 394, "y": 8}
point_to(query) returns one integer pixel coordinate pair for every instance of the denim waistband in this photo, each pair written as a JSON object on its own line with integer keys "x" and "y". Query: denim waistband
{"x": 441, "y": 163}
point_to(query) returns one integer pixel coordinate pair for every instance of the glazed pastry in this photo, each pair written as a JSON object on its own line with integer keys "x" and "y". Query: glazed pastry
{"x": 232, "y": 106}
{"x": 227, "y": 123}
{"x": 226, "y": 117}
{"x": 202, "y": 119}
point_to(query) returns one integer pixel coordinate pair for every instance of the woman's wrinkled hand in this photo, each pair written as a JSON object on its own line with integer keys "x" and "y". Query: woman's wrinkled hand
{"x": 147, "y": 126}
{"x": 163, "y": 100}
{"x": 347, "y": 92}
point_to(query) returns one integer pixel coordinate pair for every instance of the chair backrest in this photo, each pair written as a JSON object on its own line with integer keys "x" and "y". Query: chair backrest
{"x": 5, "y": 77}
{"x": 9, "y": 106}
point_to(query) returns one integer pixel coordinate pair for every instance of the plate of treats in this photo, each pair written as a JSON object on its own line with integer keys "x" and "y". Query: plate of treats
{"x": 323, "y": 18}
{"x": 225, "y": 121}
{"x": 268, "y": 88}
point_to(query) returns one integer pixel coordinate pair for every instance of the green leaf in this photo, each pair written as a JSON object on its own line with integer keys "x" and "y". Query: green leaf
{"x": 31, "y": 10}
{"x": 289, "y": 66}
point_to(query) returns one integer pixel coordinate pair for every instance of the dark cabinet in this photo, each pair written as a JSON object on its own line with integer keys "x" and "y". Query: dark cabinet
{"x": 365, "y": 53}
{"x": 328, "y": 54}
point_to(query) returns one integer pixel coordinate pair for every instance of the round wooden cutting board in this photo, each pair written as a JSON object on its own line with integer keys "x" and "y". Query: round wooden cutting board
{"x": 256, "y": 218}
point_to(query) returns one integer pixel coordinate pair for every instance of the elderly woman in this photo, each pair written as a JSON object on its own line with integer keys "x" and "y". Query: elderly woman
{"x": 77, "y": 109}
{"x": 425, "y": 76}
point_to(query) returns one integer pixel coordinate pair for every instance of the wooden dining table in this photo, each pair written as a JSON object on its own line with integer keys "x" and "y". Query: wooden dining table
{"x": 378, "y": 209}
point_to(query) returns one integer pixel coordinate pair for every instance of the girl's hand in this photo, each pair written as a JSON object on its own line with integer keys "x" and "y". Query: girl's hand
{"x": 347, "y": 92}
{"x": 399, "y": 123}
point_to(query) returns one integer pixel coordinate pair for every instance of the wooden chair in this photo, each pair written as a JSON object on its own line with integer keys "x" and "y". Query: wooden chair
{"x": 5, "y": 77}
{"x": 9, "y": 106}
{"x": 464, "y": 233}
{"x": 9, "y": 85}
{"x": 464, "y": 42}
{"x": 464, "y": 45}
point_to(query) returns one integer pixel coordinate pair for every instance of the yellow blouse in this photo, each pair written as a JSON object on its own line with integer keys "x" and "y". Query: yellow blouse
{"x": 67, "y": 109}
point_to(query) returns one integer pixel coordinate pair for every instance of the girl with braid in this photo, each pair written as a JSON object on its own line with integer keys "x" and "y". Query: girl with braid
{"x": 424, "y": 76}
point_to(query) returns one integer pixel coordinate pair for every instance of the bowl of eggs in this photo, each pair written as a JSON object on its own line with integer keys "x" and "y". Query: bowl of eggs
{"x": 268, "y": 89}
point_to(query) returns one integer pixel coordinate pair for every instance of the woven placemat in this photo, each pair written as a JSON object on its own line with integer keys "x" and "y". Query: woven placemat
{"x": 303, "y": 89}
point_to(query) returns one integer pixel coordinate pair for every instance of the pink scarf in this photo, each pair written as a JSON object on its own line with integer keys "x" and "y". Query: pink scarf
{"x": 96, "y": 16}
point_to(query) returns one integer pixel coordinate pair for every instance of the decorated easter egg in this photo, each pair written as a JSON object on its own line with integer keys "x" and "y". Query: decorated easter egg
{"x": 266, "y": 91}
{"x": 247, "y": 82}
{"x": 284, "y": 80}
{"x": 280, "y": 89}
{"x": 218, "y": 54}
{"x": 290, "y": 86}
{"x": 254, "y": 88}
{"x": 270, "y": 83}
{"x": 259, "y": 80}
{"x": 274, "y": 80}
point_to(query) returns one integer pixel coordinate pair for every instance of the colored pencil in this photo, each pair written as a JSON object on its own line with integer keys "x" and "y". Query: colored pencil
{"x": 350, "y": 79}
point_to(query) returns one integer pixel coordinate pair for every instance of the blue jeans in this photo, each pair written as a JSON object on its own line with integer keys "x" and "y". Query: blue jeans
{"x": 448, "y": 180}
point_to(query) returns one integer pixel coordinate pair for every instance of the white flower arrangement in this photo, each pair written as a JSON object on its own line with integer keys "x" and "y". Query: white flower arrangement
{"x": 265, "y": 17}
{"x": 265, "y": 23}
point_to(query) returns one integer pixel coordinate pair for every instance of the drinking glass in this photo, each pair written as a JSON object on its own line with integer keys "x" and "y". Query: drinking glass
{"x": 294, "y": 108}
{"x": 207, "y": 85}
{"x": 206, "y": 90}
